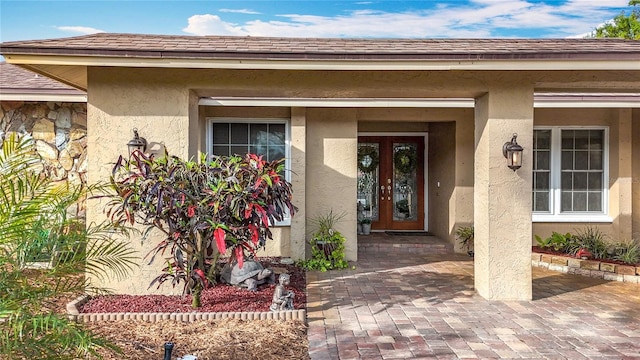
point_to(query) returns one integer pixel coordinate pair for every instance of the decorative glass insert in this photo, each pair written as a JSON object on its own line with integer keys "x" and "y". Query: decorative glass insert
{"x": 405, "y": 182}
{"x": 368, "y": 183}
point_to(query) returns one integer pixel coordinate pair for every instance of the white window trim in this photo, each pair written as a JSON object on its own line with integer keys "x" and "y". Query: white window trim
{"x": 287, "y": 129}
{"x": 555, "y": 215}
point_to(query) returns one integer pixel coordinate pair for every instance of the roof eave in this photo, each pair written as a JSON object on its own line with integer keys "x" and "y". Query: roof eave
{"x": 368, "y": 64}
{"x": 53, "y": 96}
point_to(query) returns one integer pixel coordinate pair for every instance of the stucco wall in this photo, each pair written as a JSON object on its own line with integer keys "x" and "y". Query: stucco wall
{"x": 502, "y": 197}
{"x": 441, "y": 181}
{"x": 331, "y": 153}
{"x": 120, "y": 100}
{"x": 462, "y": 205}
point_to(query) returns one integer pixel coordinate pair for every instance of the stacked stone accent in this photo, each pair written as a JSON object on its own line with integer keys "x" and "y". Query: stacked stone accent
{"x": 590, "y": 268}
{"x": 60, "y": 133}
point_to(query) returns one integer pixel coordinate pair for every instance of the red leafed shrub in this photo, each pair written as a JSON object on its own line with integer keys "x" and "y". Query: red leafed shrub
{"x": 219, "y": 205}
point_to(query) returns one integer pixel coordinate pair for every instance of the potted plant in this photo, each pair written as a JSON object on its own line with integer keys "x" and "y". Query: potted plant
{"x": 465, "y": 235}
{"x": 327, "y": 245}
{"x": 366, "y": 225}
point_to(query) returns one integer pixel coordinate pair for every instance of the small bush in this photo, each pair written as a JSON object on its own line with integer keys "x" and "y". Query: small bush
{"x": 465, "y": 234}
{"x": 627, "y": 252}
{"x": 557, "y": 241}
{"x": 592, "y": 239}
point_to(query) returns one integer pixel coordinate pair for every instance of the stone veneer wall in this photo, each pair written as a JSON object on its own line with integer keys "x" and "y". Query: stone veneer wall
{"x": 60, "y": 133}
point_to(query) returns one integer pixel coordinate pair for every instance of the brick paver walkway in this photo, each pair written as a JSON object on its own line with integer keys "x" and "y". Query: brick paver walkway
{"x": 412, "y": 306}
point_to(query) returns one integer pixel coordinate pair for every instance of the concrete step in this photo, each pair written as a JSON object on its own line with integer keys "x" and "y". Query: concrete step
{"x": 403, "y": 244}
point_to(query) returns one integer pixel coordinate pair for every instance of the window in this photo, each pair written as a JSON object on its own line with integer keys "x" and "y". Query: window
{"x": 266, "y": 137}
{"x": 570, "y": 174}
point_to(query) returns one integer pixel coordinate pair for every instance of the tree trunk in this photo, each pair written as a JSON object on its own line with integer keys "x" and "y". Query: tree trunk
{"x": 195, "y": 296}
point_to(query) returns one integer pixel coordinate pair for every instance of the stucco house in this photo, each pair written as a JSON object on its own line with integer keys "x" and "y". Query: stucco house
{"x": 413, "y": 130}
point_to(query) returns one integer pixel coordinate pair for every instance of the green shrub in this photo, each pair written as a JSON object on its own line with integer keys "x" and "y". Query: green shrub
{"x": 557, "y": 241}
{"x": 627, "y": 252}
{"x": 465, "y": 235}
{"x": 592, "y": 239}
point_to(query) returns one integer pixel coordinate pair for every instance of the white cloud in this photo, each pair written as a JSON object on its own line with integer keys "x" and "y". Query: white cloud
{"x": 478, "y": 18}
{"x": 239, "y": 11}
{"x": 208, "y": 24}
{"x": 84, "y": 30}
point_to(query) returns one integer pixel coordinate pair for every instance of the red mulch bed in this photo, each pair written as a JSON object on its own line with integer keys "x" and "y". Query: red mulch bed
{"x": 540, "y": 250}
{"x": 219, "y": 298}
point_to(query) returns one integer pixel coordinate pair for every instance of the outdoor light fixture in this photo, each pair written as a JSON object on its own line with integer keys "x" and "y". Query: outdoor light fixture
{"x": 513, "y": 152}
{"x": 137, "y": 143}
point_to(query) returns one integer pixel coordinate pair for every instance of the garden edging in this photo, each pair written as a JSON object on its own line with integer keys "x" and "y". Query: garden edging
{"x": 590, "y": 268}
{"x": 75, "y": 315}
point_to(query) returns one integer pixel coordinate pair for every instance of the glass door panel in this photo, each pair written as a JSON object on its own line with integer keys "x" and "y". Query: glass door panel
{"x": 368, "y": 180}
{"x": 405, "y": 202}
{"x": 391, "y": 182}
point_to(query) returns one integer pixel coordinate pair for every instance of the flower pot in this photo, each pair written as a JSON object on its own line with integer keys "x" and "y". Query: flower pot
{"x": 359, "y": 229}
{"x": 366, "y": 229}
{"x": 326, "y": 248}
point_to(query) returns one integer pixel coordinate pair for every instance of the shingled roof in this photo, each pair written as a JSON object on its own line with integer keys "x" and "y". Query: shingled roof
{"x": 24, "y": 84}
{"x": 228, "y": 47}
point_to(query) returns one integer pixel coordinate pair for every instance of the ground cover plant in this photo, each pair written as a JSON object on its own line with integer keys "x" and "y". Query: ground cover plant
{"x": 218, "y": 205}
{"x": 592, "y": 243}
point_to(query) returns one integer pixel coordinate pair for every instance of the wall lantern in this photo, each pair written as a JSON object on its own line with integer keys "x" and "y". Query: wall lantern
{"x": 137, "y": 143}
{"x": 513, "y": 152}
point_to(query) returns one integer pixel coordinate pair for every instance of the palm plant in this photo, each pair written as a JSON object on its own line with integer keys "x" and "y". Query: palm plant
{"x": 465, "y": 234}
{"x": 33, "y": 217}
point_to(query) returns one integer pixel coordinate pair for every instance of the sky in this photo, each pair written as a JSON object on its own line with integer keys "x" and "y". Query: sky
{"x": 40, "y": 19}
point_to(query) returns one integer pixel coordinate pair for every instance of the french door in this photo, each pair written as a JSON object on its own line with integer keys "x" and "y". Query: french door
{"x": 391, "y": 181}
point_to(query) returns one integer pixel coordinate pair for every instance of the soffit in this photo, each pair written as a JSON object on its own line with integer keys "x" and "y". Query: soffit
{"x": 72, "y": 75}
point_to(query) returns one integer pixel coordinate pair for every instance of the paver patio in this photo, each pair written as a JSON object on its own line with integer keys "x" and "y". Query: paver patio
{"x": 420, "y": 306}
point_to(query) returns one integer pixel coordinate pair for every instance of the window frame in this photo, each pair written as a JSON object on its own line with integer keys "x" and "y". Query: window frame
{"x": 241, "y": 120}
{"x": 555, "y": 214}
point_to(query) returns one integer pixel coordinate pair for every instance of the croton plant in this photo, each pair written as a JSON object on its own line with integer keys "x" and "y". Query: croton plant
{"x": 218, "y": 205}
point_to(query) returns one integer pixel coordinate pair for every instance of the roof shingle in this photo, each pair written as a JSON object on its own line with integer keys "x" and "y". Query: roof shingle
{"x": 229, "y": 47}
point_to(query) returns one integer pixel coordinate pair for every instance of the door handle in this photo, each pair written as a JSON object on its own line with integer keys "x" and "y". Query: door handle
{"x": 389, "y": 191}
